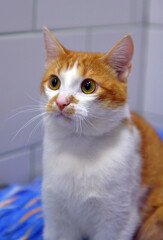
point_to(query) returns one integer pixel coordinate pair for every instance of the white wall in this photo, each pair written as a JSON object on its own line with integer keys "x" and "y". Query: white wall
{"x": 80, "y": 25}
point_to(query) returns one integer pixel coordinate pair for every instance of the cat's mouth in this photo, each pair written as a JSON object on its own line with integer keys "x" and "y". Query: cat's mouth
{"x": 62, "y": 115}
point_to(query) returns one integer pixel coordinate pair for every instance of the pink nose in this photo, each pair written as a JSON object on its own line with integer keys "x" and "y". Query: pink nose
{"x": 62, "y": 102}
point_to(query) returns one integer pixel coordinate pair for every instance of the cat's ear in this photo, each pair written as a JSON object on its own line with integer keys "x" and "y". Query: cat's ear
{"x": 120, "y": 56}
{"x": 52, "y": 46}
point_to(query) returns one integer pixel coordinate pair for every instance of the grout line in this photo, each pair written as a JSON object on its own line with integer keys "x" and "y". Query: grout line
{"x": 146, "y": 9}
{"x": 20, "y": 33}
{"x": 88, "y": 40}
{"x": 144, "y": 50}
{"x": 87, "y": 28}
{"x": 110, "y": 27}
{"x": 142, "y": 82}
{"x": 154, "y": 119}
{"x": 107, "y": 26}
{"x": 133, "y": 10}
{"x": 19, "y": 150}
{"x": 34, "y": 15}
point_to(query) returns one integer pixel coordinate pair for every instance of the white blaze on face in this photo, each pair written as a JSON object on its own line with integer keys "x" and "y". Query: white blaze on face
{"x": 70, "y": 78}
{"x": 70, "y": 83}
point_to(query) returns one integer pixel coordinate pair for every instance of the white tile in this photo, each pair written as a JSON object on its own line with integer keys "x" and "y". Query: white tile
{"x": 15, "y": 15}
{"x": 73, "y": 40}
{"x": 15, "y": 168}
{"x": 155, "y": 11}
{"x": 155, "y": 120}
{"x": 72, "y": 13}
{"x": 103, "y": 40}
{"x": 153, "y": 95}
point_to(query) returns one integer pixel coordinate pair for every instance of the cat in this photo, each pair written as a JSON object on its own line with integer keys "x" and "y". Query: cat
{"x": 102, "y": 164}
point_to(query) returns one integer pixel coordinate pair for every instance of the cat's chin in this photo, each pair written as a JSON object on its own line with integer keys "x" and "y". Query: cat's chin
{"x": 62, "y": 120}
{"x": 62, "y": 116}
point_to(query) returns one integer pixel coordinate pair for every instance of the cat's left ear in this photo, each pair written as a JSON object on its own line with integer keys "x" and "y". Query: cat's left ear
{"x": 52, "y": 46}
{"x": 120, "y": 56}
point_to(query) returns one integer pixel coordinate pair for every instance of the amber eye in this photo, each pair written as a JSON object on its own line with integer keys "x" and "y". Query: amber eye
{"x": 88, "y": 86}
{"x": 54, "y": 83}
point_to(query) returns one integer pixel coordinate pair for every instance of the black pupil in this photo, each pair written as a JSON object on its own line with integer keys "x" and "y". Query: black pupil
{"x": 54, "y": 81}
{"x": 87, "y": 85}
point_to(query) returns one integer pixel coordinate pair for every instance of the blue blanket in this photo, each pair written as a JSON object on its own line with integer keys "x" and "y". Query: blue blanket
{"x": 160, "y": 133}
{"x": 21, "y": 213}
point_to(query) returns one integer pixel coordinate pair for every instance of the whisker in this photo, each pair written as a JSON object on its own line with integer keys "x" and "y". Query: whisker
{"x": 92, "y": 115}
{"x": 35, "y": 100}
{"x": 77, "y": 125}
{"x": 80, "y": 127}
{"x": 86, "y": 119}
{"x": 28, "y": 123}
{"x": 26, "y": 107}
{"x": 98, "y": 117}
{"x": 25, "y": 111}
{"x": 36, "y": 127}
{"x": 74, "y": 128}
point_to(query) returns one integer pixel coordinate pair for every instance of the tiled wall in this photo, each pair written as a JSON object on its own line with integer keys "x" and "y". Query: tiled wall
{"x": 153, "y": 75}
{"x": 80, "y": 25}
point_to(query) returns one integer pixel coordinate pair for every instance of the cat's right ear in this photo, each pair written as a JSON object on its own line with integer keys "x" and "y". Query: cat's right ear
{"x": 120, "y": 56}
{"x": 52, "y": 46}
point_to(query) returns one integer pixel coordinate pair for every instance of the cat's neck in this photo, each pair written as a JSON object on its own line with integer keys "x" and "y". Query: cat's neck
{"x": 86, "y": 148}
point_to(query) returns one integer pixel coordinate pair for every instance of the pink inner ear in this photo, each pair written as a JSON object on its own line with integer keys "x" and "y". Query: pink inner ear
{"x": 52, "y": 46}
{"x": 120, "y": 56}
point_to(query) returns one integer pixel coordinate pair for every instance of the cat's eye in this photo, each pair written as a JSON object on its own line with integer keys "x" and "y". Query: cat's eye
{"x": 54, "y": 83}
{"x": 88, "y": 86}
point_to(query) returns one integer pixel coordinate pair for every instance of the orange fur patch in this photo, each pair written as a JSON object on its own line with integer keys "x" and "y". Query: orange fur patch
{"x": 49, "y": 107}
{"x": 115, "y": 95}
{"x": 152, "y": 177}
{"x": 72, "y": 99}
{"x": 69, "y": 110}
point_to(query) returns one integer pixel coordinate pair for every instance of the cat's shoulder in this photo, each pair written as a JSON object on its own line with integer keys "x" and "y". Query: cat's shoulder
{"x": 148, "y": 134}
{"x": 151, "y": 151}
{"x": 151, "y": 178}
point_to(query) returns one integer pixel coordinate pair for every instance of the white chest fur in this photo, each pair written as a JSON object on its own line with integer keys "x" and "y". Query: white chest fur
{"x": 93, "y": 182}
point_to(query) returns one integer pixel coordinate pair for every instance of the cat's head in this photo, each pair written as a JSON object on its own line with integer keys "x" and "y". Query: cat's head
{"x": 85, "y": 92}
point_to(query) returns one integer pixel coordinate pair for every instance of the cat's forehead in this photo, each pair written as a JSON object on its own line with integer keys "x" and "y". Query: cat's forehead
{"x": 70, "y": 75}
{"x": 76, "y": 62}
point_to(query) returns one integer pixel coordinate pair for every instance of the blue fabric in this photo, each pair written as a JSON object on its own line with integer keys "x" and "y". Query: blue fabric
{"x": 21, "y": 213}
{"x": 160, "y": 133}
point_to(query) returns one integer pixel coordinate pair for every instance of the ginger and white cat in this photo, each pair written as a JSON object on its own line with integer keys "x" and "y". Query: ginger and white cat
{"x": 102, "y": 165}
